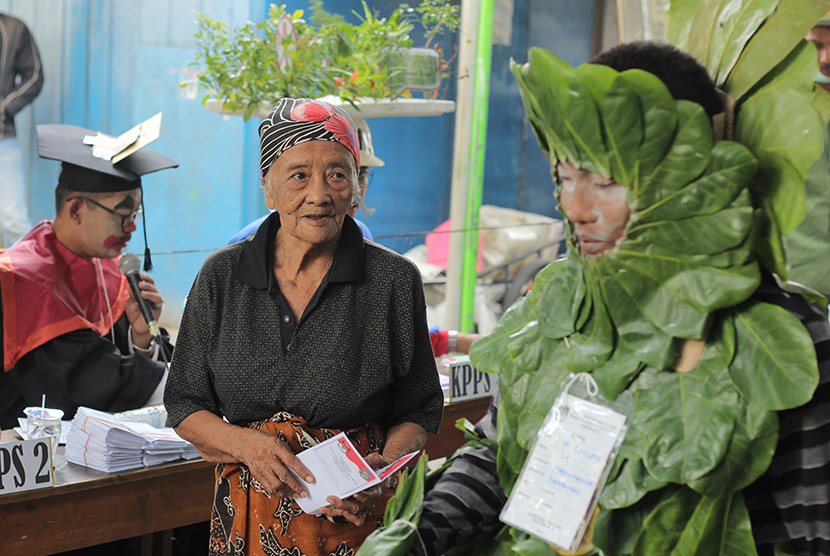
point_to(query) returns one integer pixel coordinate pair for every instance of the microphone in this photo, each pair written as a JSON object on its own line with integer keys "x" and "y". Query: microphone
{"x": 129, "y": 267}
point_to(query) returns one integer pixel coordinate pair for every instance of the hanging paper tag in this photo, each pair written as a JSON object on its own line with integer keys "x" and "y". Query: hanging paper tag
{"x": 558, "y": 488}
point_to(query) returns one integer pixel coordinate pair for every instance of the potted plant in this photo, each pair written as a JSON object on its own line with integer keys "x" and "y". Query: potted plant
{"x": 254, "y": 65}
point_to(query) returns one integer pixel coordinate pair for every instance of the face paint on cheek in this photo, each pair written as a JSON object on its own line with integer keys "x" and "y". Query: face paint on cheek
{"x": 114, "y": 243}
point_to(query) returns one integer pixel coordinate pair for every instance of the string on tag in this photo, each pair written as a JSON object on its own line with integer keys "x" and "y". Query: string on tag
{"x": 590, "y": 386}
{"x": 589, "y": 382}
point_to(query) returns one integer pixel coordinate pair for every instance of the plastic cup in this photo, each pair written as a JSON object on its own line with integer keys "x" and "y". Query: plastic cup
{"x": 45, "y": 422}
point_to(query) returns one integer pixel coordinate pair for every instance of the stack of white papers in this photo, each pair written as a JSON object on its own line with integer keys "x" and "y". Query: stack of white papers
{"x": 101, "y": 441}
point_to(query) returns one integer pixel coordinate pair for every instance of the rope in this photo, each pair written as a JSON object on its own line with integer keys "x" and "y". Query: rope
{"x": 386, "y": 236}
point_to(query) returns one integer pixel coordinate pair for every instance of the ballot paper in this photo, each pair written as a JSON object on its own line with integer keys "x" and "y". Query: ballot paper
{"x": 339, "y": 470}
{"x": 101, "y": 441}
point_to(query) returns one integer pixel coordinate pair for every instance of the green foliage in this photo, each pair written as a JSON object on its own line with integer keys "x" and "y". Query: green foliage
{"x": 775, "y": 367}
{"x": 684, "y": 269}
{"x": 754, "y": 50}
{"x": 328, "y": 56}
{"x": 402, "y": 513}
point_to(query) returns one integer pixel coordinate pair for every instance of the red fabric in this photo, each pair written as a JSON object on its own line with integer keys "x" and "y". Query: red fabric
{"x": 48, "y": 291}
{"x": 440, "y": 342}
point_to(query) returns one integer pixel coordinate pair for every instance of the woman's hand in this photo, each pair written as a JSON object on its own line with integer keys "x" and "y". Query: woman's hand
{"x": 140, "y": 330}
{"x": 269, "y": 459}
{"x": 355, "y": 508}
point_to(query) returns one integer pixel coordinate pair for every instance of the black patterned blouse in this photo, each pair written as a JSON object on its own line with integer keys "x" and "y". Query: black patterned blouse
{"x": 359, "y": 353}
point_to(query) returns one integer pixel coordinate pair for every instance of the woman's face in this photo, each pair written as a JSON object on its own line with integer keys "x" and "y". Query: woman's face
{"x": 311, "y": 186}
{"x": 596, "y": 205}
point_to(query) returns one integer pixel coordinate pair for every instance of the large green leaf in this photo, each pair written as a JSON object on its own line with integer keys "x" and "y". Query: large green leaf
{"x": 402, "y": 512}
{"x": 597, "y": 81}
{"x": 563, "y": 297}
{"x": 622, "y": 120}
{"x": 637, "y": 288}
{"x": 636, "y": 333}
{"x": 688, "y": 419}
{"x": 490, "y": 352}
{"x": 664, "y": 526}
{"x": 748, "y": 456}
{"x": 559, "y": 108}
{"x": 776, "y": 38}
{"x": 616, "y": 530}
{"x": 510, "y": 456}
{"x": 542, "y": 390}
{"x": 687, "y": 158}
{"x": 630, "y": 486}
{"x": 689, "y": 525}
{"x": 730, "y": 169}
{"x": 681, "y": 18}
{"x": 729, "y": 43}
{"x": 593, "y": 345}
{"x": 809, "y": 242}
{"x": 721, "y": 29}
{"x": 706, "y": 233}
{"x": 614, "y": 375}
{"x": 780, "y": 125}
{"x": 659, "y": 120}
{"x": 697, "y": 289}
{"x": 774, "y": 366}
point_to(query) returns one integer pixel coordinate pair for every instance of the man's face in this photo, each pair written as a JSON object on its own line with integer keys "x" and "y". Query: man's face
{"x": 820, "y": 37}
{"x": 101, "y": 234}
{"x": 596, "y": 205}
{"x": 311, "y": 186}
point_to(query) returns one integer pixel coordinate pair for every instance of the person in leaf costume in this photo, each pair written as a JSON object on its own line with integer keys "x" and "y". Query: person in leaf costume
{"x": 661, "y": 299}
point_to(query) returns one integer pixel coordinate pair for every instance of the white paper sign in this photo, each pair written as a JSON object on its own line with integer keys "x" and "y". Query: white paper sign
{"x": 557, "y": 488}
{"x": 339, "y": 470}
{"x": 467, "y": 382}
{"x": 25, "y": 465}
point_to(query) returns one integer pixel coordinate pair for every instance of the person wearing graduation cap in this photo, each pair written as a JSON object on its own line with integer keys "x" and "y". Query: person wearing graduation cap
{"x": 72, "y": 329}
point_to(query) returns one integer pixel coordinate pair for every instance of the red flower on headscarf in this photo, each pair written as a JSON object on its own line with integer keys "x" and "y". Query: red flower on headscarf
{"x": 344, "y": 133}
{"x": 311, "y": 112}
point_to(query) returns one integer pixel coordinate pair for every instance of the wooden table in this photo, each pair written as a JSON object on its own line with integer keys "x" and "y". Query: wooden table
{"x": 449, "y": 438}
{"x": 87, "y": 507}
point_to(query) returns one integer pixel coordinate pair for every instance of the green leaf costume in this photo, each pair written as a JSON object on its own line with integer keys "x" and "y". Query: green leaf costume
{"x": 706, "y": 217}
{"x": 685, "y": 269}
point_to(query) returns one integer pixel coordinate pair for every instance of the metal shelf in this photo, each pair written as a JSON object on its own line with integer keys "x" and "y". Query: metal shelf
{"x": 367, "y": 108}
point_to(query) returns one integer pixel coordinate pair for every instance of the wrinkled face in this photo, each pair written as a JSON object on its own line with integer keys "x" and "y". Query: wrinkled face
{"x": 311, "y": 185}
{"x": 596, "y": 205}
{"x": 820, "y": 37}
{"x": 101, "y": 234}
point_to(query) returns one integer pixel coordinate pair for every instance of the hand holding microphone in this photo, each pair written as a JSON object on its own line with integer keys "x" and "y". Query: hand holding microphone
{"x": 130, "y": 267}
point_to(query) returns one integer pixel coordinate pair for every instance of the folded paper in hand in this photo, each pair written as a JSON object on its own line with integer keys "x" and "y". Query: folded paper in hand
{"x": 339, "y": 470}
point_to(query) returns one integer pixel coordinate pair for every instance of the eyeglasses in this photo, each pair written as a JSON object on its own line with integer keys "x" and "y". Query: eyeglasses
{"x": 367, "y": 174}
{"x": 126, "y": 219}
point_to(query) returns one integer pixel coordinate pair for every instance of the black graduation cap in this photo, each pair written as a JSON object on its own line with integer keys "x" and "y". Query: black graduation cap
{"x": 95, "y": 163}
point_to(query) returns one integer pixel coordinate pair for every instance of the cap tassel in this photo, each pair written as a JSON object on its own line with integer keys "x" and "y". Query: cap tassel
{"x": 148, "y": 261}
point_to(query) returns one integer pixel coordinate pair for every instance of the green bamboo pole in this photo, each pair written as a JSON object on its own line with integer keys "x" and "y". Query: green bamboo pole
{"x": 478, "y": 142}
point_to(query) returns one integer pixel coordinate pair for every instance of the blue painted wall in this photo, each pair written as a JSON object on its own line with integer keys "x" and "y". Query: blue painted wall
{"x": 110, "y": 64}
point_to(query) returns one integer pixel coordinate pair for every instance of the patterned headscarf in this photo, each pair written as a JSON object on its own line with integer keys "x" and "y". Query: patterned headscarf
{"x": 296, "y": 120}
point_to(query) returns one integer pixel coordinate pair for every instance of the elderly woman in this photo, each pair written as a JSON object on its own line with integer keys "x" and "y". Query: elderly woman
{"x": 300, "y": 333}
